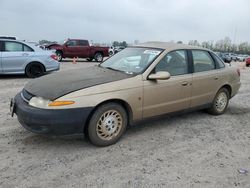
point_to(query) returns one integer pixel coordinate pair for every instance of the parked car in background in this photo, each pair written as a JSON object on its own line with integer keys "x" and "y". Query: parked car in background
{"x": 118, "y": 49}
{"x": 18, "y": 57}
{"x": 232, "y": 56}
{"x": 111, "y": 50}
{"x": 248, "y": 61}
{"x": 137, "y": 83}
{"x": 79, "y": 48}
{"x": 225, "y": 57}
{"x": 241, "y": 58}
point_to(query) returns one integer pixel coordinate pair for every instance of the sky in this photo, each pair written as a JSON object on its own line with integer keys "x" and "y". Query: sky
{"x": 126, "y": 20}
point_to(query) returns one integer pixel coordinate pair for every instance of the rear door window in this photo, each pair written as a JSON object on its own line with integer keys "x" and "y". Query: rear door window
{"x": 83, "y": 43}
{"x": 202, "y": 61}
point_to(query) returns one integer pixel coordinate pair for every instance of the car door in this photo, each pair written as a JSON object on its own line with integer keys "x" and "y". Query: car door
{"x": 174, "y": 94}
{"x": 72, "y": 49}
{"x": 205, "y": 78}
{"x": 14, "y": 56}
{"x": 84, "y": 49}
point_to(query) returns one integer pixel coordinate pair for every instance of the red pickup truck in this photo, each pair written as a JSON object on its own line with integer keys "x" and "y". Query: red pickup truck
{"x": 79, "y": 48}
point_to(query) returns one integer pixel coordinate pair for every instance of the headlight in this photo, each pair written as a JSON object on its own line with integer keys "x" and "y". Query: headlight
{"x": 44, "y": 103}
{"x": 39, "y": 102}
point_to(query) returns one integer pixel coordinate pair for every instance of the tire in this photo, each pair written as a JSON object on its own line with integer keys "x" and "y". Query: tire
{"x": 98, "y": 57}
{"x": 107, "y": 124}
{"x": 59, "y": 56}
{"x": 34, "y": 70}
{"x": 220, "y": 102}
{"x": 89, "y": 59}
{"x": 111, "y": 53}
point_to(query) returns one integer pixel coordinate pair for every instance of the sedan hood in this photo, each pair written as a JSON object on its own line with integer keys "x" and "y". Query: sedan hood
{"x": 59, "y": 84}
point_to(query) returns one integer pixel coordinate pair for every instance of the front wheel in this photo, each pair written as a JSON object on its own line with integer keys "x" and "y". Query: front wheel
{"x": 107, "y": 124}
{"x": 59, "y": 56}
{"x": 98, "y": 57}
{"x": 220, "y": 102}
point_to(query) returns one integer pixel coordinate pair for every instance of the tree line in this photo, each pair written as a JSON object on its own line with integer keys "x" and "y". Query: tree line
{"x": 223, "y": 45}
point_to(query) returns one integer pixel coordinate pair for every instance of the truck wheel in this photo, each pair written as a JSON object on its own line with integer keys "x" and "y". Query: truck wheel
{"x": 107, "y": 124}
{"x": 59, "y": 56}
{"x": 98, "y": 57}
{"x": 34, "y": 70}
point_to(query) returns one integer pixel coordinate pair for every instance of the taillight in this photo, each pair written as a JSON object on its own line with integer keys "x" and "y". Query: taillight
{"x": 54, "y": 56}
{"x": 238, "y": 71}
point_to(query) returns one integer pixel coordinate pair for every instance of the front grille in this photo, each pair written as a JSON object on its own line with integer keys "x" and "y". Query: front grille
{"x": 26, "y": 95}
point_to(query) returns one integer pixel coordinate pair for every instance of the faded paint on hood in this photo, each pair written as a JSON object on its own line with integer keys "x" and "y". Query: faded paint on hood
{"x": 59, "y": 84}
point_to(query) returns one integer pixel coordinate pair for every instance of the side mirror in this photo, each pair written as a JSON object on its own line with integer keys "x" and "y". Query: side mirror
{"x": 161, "y": 75}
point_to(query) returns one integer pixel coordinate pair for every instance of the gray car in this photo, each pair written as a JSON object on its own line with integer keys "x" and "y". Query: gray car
{"x": 18, "y": 57}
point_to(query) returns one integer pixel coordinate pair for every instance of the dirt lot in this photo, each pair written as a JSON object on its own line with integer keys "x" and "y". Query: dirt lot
{"x": 191, "y": 150}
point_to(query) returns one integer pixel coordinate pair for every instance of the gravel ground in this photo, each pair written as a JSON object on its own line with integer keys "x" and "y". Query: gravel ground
{"x": 190, "y": 150}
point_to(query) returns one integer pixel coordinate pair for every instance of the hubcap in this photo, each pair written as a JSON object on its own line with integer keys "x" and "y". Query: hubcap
{"x": 109, "y": 125}
{"x": 59, "y": 57}
{"x": 221, "y": 102}
{"x": 99, "y": 58}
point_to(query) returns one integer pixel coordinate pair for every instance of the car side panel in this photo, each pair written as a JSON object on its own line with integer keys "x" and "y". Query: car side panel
{"x": 204, "y": 87}
{"x": 165, "y": 96}
{"x": 13, "y": 62}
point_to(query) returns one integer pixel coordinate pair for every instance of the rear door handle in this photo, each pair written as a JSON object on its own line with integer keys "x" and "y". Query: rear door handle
{"x": 25, "y": 54}
{"x": 184, "y": 83}
{"x": 216, "y": 78}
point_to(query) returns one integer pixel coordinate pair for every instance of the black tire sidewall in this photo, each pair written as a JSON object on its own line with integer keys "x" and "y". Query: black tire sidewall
{"x": 92, "y": 133}
{"x": 31, "y": 75}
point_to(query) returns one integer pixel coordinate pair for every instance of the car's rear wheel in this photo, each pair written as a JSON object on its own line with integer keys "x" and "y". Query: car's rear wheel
{"x": 59, "y": 55}
{"x": 220, "y": 102}
{"x": 34, "y": 70}
{"x": 107, "y": 124}
{"x": 98, "y": 57}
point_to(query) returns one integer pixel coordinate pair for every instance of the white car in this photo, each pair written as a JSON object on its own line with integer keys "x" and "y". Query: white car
{"x": 17, "y": 57}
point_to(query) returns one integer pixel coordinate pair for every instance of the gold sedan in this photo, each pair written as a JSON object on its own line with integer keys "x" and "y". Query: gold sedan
{"x": 140, "y": 82}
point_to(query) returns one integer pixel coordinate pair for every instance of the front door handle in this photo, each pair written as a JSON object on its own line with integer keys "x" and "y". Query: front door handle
{"x": 216, "y": 78}
{"x": 184, "y": 83}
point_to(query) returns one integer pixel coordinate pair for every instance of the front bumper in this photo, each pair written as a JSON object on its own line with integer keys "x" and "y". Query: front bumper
{"x": 46, "y": 121}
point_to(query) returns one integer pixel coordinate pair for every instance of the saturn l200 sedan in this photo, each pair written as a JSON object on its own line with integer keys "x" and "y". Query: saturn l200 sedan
{"x": 139, "y": 82}
{"x": 17, "y": 57}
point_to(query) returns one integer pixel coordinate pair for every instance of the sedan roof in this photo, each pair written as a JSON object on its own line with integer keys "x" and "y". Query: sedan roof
{"x": 168, "y": 46}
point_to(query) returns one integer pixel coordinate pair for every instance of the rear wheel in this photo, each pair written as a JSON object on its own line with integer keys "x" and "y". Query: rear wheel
{"x": 98, "y": 57}
{"x": 220, "y": 102}
{"x": 34, "y": 70}
{"x": 107, "y": 124}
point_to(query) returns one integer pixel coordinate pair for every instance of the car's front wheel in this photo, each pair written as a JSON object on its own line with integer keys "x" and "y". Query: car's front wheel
{"x": 107, "y": 124}
{"x": 59, "y": 56}
{"x": 220, "y": 102}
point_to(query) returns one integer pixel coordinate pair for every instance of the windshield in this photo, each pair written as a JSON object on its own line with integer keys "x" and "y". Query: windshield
{"x": 132, "y": 60}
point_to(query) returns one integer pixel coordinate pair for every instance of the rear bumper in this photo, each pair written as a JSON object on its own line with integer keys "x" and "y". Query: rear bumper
{"x": 45, "y": 121}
